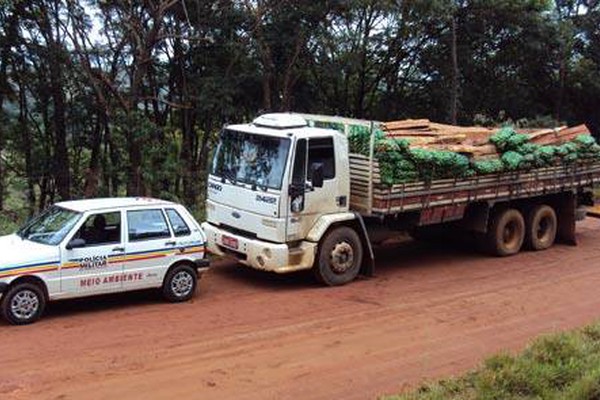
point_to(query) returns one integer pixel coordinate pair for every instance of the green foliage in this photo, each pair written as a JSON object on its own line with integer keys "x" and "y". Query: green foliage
{"x": 561, "y": 366}
{"x": 506, "y": 139}
{"x": 439, "y": 164}
{"x": 227, "y": 61}
{"x": 512, "y": 160}
{"x": 485, "y": 167}
{"x": 399, "y": 163}
{"x": 359, "y": 138}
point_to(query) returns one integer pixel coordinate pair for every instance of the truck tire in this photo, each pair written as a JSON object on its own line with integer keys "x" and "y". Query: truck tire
{"x": 23, "y": 303}
{"x": 541, "y": 228}
{"x": 180, "y": 284}
{"x": 340, "y": 257}
{"x": 507, "y": 233}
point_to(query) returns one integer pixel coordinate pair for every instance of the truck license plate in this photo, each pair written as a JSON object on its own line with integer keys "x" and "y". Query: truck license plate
{"x": 230, "y": 242}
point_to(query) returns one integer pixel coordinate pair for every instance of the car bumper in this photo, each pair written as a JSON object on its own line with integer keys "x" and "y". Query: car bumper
{"x": 258, "y": 254}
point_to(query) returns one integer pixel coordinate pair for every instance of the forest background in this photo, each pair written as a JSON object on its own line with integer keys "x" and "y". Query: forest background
{"x": 111, "y": 98}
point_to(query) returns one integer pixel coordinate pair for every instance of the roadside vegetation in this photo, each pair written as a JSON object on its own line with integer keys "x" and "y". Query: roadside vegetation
{"x": 113, "y": 98}
{"x": 559, "y": 366}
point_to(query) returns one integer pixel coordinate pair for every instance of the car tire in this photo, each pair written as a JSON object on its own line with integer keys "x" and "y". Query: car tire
{"x": 340, "y": 257}
{"x": 23, "y": 303}
{"x": 180, "y": 284}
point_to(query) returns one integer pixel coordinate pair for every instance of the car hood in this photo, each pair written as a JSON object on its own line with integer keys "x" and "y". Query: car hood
{"x": 15, "y": 251}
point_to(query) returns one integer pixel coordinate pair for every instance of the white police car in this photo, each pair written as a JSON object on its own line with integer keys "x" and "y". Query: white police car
{"x": 88, "y": 247}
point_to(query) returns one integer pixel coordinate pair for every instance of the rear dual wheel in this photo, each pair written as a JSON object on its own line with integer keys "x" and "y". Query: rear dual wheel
{"x": 542, "y": 225}
{"x": 507, "y": 232}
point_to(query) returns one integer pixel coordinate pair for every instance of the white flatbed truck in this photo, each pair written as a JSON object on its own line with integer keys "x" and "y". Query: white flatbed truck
{"x": 285, "y": 195}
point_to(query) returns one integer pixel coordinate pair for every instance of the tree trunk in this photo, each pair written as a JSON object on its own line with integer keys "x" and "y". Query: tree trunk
{"x": 27, "y": 145}
{"x": 61, "y": 161}
{"x": 187, "y": 161}
{"x": 2, "y": 82}
{"x": 93, "y": 172}
{"x": 55, "y": 69}
{"x": 455, "y": 74}
{"x": 114, "y": 181}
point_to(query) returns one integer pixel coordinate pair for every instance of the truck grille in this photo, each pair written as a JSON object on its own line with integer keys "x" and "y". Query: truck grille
{"x": 239, "y": 232}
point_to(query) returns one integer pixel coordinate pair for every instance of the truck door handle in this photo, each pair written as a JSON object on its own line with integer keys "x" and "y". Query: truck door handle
{"x": 118, "y": 249}
{"x": 170, "y": 243}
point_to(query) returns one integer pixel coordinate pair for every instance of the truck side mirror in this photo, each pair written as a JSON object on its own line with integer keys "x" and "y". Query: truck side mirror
{"x": 75, "y": 244}
{"x": 297, "y": 198}
{"x": 316, "y": 174}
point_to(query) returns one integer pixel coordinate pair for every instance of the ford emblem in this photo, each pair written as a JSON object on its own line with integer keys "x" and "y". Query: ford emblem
{"x": 236, "y": 215}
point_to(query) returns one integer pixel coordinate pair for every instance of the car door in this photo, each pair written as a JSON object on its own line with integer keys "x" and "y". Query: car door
{"x": 150, "y": 248}
{"x": 91, "y": 259}
{"x": 188, "y": 241}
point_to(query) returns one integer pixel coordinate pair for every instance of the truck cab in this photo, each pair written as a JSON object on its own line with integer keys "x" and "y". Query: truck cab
{"x": 275, "y": 187}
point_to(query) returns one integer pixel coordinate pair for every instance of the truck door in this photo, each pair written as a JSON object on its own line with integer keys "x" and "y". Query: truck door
{"x": 308, "y": 203}
{"x": 91, "y": 261}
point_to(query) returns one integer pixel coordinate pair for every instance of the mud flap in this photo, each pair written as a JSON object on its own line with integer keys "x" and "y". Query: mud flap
{"x": 566, "y": 209}
{"x": 368, "y": 267}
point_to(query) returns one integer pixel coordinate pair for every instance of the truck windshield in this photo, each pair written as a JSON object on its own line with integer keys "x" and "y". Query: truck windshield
{"x": 50, "y": 227}
{"x": 251, "y": 159}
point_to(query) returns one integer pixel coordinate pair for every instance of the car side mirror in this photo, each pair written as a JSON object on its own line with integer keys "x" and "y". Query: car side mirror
{"x": 75, "y": 244}
{"x": 316, "y": 174}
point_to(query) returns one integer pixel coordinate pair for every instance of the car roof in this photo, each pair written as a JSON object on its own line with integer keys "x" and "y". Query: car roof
{"x": 112, "y": 202}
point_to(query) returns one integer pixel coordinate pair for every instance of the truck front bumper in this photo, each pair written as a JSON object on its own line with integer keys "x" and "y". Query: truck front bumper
{"x": 258, "y": 254}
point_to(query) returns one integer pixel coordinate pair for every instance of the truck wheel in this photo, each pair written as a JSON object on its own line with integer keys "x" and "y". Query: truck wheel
{"x": 23, "y": 303}
{"x": 180, "y": 284}
{"x": 507, "y": 233}
{"x": 541, "y": 228}
{"x": 340, "y": 257}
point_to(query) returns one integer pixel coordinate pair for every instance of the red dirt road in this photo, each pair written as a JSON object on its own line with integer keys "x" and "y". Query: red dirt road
{"x": 428, "y": 313}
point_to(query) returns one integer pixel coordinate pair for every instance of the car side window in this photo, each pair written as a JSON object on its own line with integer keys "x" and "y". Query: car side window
{"x": 179, "y": 226}
{"x": 146, "y": 225}
{"x": 100, "y": 229}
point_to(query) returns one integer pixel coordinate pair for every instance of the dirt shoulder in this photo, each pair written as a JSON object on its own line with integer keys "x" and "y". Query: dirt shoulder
{"x": 429, "y": 312}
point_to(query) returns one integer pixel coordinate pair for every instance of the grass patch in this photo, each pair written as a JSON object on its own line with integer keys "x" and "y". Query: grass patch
{"x": 560, "y": 366}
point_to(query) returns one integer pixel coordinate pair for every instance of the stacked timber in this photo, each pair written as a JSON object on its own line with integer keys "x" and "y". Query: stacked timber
{"x": 473, "y": 142}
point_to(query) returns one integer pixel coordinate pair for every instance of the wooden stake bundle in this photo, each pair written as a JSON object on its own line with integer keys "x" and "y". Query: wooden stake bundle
{"x": 473, "y": 141}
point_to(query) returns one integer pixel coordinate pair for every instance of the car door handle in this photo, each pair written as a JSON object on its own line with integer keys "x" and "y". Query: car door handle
{"x": 118, "y": 249}
{"x": 170, "y": 243}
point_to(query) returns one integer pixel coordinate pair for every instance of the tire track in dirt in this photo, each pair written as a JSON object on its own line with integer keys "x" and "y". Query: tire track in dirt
{"x": 430, "y": 312}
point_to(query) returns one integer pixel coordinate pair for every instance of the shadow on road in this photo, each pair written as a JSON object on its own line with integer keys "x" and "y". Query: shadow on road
{"x": 242, "y": 275}
{"x": 101, "y": 303}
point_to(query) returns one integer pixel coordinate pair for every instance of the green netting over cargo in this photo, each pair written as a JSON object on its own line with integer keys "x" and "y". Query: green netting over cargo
{"x": 401, "y": 163}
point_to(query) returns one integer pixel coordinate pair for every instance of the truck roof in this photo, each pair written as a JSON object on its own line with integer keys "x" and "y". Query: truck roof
{"x": 111, "y": 202}
{"x": 304, "y": 132}
{"x": 283, "y": 125}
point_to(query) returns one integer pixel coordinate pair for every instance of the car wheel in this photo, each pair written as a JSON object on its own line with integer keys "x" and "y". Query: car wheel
{"x": 23, "y": 303}
{"x": 180, "y": 283}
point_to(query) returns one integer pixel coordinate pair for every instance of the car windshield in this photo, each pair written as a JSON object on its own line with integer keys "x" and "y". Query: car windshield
{"x": 251, "y": 159}
{"x": 51, "y": 226}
